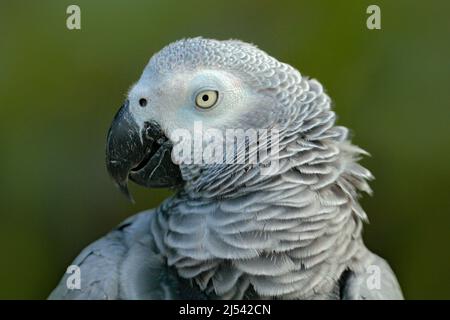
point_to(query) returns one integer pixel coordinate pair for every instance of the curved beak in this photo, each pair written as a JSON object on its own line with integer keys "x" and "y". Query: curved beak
{"x": 142, "y": 155}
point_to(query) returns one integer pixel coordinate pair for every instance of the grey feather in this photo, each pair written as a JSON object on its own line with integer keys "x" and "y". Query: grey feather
{"x": 358, "y": 285}
{"x": 126, "y": 265}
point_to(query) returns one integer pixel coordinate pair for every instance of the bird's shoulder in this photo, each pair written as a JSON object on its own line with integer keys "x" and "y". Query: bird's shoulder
{"x": 373, "y": 280}
{"x": 124, "y": 264}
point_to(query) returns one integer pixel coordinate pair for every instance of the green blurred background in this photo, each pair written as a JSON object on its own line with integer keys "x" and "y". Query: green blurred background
{"x": 59, "y": 90}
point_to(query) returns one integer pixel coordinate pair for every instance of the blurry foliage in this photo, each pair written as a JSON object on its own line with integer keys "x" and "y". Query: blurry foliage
{"x": 59, "y": 90}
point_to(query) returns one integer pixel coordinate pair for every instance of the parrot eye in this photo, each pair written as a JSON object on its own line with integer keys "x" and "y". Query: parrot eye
{"x": 206, "y": 99}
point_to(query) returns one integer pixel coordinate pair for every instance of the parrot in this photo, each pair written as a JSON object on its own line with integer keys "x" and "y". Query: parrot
{"x": 286, "y": 226}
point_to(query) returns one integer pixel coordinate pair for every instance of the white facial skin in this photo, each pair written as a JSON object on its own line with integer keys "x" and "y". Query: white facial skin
{"x": 171, "y": 101}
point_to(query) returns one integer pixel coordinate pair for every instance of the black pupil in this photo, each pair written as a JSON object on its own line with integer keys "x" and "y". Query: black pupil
{"x": 205, "y": 97}
{"x": 142, "y": 102}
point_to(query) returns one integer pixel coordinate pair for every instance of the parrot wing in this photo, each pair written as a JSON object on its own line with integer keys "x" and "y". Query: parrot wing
{"x": 125, "y": 265}
{"x": 376, "y": 282}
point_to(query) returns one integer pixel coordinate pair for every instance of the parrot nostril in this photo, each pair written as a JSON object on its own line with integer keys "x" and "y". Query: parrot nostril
{"x": 142, "y": 102}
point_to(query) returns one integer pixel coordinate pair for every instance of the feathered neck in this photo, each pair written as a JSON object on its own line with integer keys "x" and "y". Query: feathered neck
{"x": 288, "y": 236}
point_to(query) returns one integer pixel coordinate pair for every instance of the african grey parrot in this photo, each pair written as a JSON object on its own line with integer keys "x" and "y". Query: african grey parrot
{"x": 229, "y": 231}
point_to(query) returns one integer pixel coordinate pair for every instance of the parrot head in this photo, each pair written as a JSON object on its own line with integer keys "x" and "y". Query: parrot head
{"x": 220, "y": 84}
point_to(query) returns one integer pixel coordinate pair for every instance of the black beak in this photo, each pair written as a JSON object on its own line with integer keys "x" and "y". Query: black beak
{"x": 144, "y": 157}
